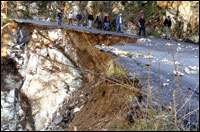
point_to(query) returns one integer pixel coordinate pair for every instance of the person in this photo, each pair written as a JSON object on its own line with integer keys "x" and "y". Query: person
{"x": 70, "y": 17}
{"x": 90, "y": 19}
{"x": 59, "y": 18}
{"x": 99, "y": 21}
{"x": 141, "y": 24}
{"x": 167, "y": 23}
{"x": 106, "y": 21}
{"x": 119, "y": 22}
{"x": 79, "y": 17}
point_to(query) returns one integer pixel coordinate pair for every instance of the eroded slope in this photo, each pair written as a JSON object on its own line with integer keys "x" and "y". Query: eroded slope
{"x": 53, "y": 65}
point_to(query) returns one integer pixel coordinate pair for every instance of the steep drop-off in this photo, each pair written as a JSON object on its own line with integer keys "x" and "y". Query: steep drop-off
{"x": 49, "y": 73}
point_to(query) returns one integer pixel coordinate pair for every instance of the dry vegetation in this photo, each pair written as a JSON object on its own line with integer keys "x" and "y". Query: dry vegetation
{"x": 114, "y": 101}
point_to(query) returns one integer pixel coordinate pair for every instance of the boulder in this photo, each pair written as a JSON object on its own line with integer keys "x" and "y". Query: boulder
{"x": 195, "y": 38}
{"x": 186, "y": 12}
{"x": 58, "y": 120}
{"x": 76, "y": 109}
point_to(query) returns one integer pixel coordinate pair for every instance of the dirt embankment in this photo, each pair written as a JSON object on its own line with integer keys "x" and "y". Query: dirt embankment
{"x": 104, "y": 99}
{"x": 106, "y": 104}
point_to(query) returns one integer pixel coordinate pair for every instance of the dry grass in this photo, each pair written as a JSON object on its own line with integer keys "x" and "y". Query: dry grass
{"x": 153, "y": 119}
{"x": 147, "y": 117}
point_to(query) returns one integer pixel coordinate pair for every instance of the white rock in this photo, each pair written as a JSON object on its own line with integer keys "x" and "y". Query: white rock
{"x": 144, "y": 40}
{"x": 193, "y": 67}
{"x": 177, "y": 63}
{"x": 191, "y": 70}
{"x": 34, "y": 36}
{"x": 53, "y": 35}
{"x": 5, "y": 112}
{"x": 165, "y": 84}
{"x": 20, "y": 112}
{"x": 179, "y": 73}
{"x": 58, "y": 120}
{"x": 166, "y": 61}
{"x": 10, "y": 99}
{"x": 11, "y": 114}
{"x": 76, "y": 109}
{"x": 179, "y": 49}
{"x": 168, "y": 44}
{"x": 4, "y": 104}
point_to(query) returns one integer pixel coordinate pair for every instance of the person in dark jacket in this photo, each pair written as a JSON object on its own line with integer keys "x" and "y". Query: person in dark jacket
{"x": 59, "y": 18}
{"x": 167, "y": 24}
{"x": 99, "y": 21}
{"x": 79, "y": 17}
{"x": 106, "y": 21}
{"x": 119, "y": 22}
{"x": 141, "y": 23}
{"x": 90, "y": 19}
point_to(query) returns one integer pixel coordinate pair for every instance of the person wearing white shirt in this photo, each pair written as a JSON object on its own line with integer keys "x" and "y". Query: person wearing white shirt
{"x": 119, "y": 22}
{"x": 70, "y": 17}
{"x": 120, "y": 19}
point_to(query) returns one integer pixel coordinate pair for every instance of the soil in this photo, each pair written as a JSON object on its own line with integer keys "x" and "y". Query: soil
{"x": 106, "y": 104}
{"x": 104, "y": 101}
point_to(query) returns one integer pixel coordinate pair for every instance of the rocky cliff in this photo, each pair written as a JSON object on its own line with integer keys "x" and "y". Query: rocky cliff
{"x": 53, "y": 77}
{"x": 185, "y": 15}
{"x": 44, "y": 68}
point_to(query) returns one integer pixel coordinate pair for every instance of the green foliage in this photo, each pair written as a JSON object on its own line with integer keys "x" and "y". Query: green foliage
{"x": 153, "y": 33}
{"x": 161, "y": 14}
{"x": 116, "y": 69}
{"x": 147, "y": 123}
{"x": 120, "y": 71}
{"x": 129, "y": 99}
{"x": 3, "y": 21}
{"x": 42, "y": 4}
{"x": 151, "y": 8}
{"x": 26, "y": 13}
{"x": 65, "y": 20}
{"x": 97, "y": 90}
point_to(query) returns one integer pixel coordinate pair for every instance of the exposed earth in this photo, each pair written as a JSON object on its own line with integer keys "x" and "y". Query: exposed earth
{"x": 95, "y": 100}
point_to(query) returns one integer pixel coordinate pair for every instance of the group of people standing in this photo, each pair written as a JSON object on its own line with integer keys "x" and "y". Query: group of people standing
{"x": 99, "y": 20}
{"x": 119, "y": 22}
{"x": 106, "y": 20}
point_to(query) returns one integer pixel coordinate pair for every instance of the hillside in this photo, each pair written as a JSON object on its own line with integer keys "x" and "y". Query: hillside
{"x": 184, "y": 15}
{"x": 73, "y": 78}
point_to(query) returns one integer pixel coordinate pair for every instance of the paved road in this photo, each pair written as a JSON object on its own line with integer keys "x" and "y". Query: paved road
{"x": 82, "y": 28}
{"x": 187, "y": 54}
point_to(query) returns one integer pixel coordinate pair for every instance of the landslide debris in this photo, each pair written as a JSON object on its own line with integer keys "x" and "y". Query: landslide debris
{"x": 60, "y": 71}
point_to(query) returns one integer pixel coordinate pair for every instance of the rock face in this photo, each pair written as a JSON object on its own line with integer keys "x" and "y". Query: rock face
{"x": 46, "y": 73}
{"x": 48, "y": 83}
{"x": 4, "y": 9}
{"x": 117, "y": 7}
{"x": 72, "y": 6}
{"x": 90, "y": 8}
{"x": 186, "y": 12}
{"x": 11, "y": 111}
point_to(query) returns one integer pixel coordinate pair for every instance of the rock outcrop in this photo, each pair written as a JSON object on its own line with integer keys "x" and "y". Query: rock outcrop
{"x": 49, "y": 68}
{"x": 185, "y": 12}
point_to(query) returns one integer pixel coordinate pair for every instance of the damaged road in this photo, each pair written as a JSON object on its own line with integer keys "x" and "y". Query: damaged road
{"x": 49, "y": 85}
{"x": 55, "y": 64}
{"x": 162, "y": 78}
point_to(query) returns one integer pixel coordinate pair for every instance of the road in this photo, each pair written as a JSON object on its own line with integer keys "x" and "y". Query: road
{"x": 186, "y": 54}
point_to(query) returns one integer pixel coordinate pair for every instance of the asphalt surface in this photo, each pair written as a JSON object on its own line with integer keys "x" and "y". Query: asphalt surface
{"x": 187, "y": 54}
